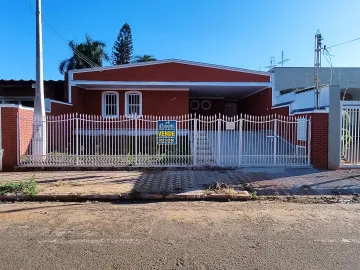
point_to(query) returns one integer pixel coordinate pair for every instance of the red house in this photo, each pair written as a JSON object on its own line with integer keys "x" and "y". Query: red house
{"x": 113, "y": 116}
{"x": 164, "y": 88}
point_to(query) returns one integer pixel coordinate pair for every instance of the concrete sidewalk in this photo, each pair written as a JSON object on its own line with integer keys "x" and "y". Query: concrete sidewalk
{"x": 265, "y": 181}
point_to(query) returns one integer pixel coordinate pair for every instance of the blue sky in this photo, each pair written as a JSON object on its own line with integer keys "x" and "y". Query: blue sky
{"x": 239, "y": 33}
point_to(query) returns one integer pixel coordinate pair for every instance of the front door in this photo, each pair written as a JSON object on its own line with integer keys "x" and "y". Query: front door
{"x": 231, "y": 109}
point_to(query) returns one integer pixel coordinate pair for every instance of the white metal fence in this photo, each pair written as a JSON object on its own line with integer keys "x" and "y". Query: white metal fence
{"x": 84, "y": 140}
{"x": 350, "y": 133}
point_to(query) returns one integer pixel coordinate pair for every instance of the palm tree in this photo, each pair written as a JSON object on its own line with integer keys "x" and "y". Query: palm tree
{"x": 144, "y": 58}
{"x": 84, "y": 55}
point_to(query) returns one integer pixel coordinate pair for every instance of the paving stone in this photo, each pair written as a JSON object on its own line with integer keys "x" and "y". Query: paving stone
{"x": 266, "y": 181}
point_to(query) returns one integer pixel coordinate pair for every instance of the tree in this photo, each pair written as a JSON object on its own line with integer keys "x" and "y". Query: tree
{"x": 123, "y": 47}
{"x": 144, "y": 58}
{"x": 93, "y": 50}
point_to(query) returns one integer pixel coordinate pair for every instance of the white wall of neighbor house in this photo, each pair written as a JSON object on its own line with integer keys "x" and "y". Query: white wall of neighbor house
{"x": 302, "y": 77}
{"x": 306, "y": 100}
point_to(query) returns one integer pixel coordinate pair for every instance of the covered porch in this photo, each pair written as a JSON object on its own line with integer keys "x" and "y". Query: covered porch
{"x": 204, "y": 98}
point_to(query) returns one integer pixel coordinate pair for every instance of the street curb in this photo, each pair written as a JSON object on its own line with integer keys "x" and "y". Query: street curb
{"x": 244, "y": 196}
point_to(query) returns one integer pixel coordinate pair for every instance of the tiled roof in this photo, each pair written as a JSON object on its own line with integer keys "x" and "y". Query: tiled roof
{"x": 27, "y": 81}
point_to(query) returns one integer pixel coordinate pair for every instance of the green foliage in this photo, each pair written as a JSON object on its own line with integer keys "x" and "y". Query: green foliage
{"x": 254, "y": 195}
{"x": 92, "y": 49}
{"x": 346, "y": 135}
{"x": 29, "y": 188}
{"x": 123, "y": 46}
{"x": 144, "y": 58}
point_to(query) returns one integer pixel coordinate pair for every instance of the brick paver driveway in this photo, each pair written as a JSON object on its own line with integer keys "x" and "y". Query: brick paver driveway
{"x": 266, "y": 181}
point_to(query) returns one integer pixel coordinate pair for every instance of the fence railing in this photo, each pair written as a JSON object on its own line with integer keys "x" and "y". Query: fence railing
{"x": 350, "y": 133}
{"x": 85, "y": 140}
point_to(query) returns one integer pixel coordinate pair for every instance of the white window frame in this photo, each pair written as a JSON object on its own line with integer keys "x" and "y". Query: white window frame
{"x": 127, "y": 114}
{"x": 103, "y": 105}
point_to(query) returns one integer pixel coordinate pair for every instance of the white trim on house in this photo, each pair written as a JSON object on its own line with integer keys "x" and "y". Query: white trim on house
{"x": 103, "y": 104}
{"x": 177, "y": 61}
{"x": 272, "y": 79}
{"x": 16, "y": 106}
{"x": 60, "y": 102}
{"x": 137, "y": 88}
{"x": 70, "y": 84}
{"x": 127, "y": 94}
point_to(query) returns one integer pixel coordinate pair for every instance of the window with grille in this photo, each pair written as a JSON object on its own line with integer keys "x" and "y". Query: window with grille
{"x": 110, "y": 104}
{"x": 133, "y": 103}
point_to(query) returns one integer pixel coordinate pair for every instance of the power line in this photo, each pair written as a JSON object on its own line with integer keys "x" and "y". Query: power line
{"x": 343, "y": 43}
{"x": 73, "y": 49}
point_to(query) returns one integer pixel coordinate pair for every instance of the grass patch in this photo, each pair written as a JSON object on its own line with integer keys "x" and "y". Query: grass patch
{"x": 220, "y": 188}
{"x": 29, "y": 188}
{"x": 254, "y": 195}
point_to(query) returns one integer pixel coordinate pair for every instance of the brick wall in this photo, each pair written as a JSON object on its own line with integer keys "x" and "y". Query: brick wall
{"x": 319, "y": 140}
{"x": 25, "y": 130}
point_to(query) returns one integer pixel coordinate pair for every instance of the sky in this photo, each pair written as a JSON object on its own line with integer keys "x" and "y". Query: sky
{"x": 237, "y": 33}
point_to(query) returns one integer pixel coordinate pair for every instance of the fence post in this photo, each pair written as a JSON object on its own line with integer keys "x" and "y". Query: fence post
{"x": 195, "y": 141}
{"x": 77, "y": 140}
{"x": 136, "y": 141}
{"x": 240, "y": 140}
{"x": 309, "y": 141}
{"x": 219, "y": 140}
{"x": 275, "y": 139}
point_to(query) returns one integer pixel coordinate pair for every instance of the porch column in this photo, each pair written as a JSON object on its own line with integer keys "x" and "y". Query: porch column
{"x": 334, "y": 148}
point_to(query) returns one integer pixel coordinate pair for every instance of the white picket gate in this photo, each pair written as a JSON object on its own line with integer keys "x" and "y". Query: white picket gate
{"x": 93, "y": 141}
{"x": 350, "y": 133}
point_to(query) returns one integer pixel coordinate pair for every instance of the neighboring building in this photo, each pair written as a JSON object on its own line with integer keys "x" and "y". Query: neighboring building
{"x": 290, "y": 79}
{"x": 23, "y": 92}
{"x": 167, "y": 87}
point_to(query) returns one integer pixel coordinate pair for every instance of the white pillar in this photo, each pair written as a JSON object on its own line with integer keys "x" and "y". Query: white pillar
{"x": 39, "y": 124}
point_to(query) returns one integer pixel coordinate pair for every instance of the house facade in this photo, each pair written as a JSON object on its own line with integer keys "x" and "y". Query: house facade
{"x": 215, "y": 115}
{"x": 168, "y": 88}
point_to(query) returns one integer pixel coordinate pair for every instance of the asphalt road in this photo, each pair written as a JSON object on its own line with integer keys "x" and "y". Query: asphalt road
{"x": 182, "y": 235}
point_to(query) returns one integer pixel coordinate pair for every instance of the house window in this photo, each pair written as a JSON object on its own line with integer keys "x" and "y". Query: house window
{"x": 133, "y": 103}
{"x": 110, "y": 104}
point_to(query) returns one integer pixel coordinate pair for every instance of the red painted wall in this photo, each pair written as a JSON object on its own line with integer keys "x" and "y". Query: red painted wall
{"x": 167, "y": 103}
{"x": 260, "y": 104}
{"x": 171, "y": 72}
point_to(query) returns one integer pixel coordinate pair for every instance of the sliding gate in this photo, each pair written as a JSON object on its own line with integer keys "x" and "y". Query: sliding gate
{"x": 350, "y": 133}
{"x": 93, "y": 141}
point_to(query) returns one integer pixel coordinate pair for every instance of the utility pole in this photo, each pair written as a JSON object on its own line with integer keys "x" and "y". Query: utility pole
{"x": 39, "y": 124}
{"x": 317, "y": 66}
{"x": 282, "y": 59}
